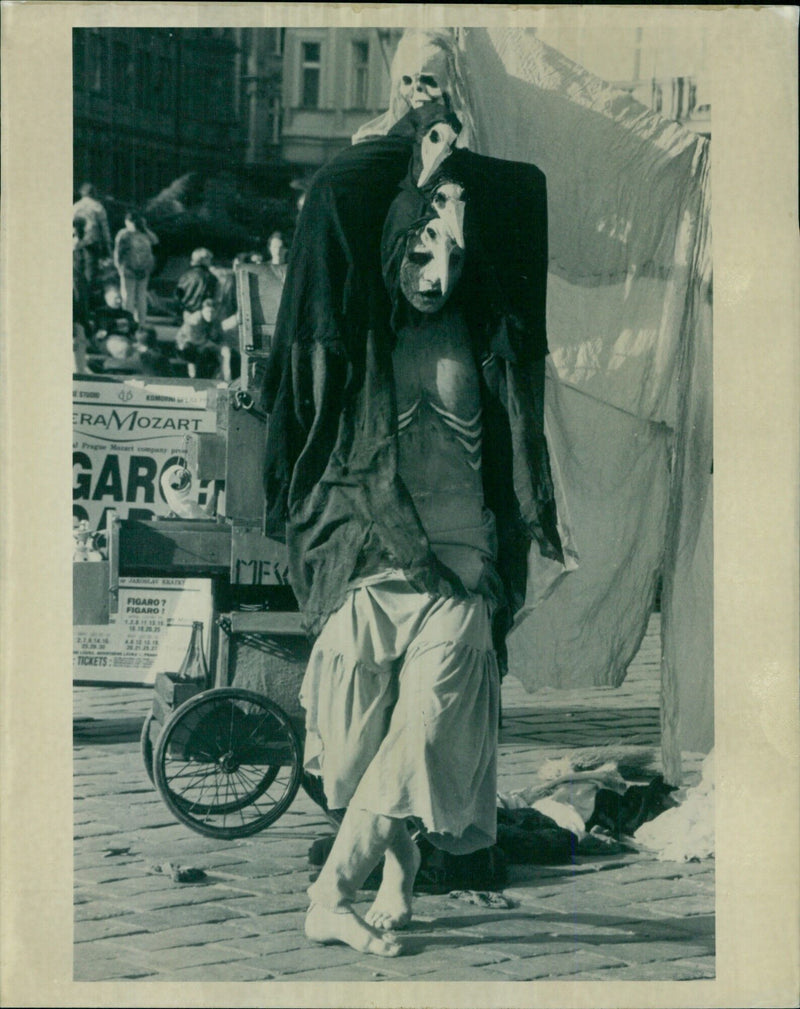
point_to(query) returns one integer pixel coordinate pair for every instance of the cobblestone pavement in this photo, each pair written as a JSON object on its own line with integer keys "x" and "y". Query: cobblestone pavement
{"x": 626, "y": 917}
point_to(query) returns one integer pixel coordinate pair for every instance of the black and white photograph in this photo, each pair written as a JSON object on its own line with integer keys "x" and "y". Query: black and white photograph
{"x": 392, "y": 411}
{"x": 395, "y": 637}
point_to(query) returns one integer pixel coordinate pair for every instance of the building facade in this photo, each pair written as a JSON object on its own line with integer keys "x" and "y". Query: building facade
{"x": 150, "y": 104}
{"x": 259, "y": 99}
{"x": 334, "y": 80}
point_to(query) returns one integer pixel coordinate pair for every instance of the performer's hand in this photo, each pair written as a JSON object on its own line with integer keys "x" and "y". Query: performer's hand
{"x": 437, "y": 579}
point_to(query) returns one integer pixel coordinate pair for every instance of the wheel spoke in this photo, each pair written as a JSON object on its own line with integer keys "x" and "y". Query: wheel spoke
{"x": 187, "y": 763}
{"x": 193, "y": 771}
{"x": 251, "y": 790}
{"x": 272, "y": 803}
{"x": 266, "y": 717}
{"x": 230, "y": 727}
{"x": 192, "y": 741}
{"x": 228, "y": 771}
{"x": 252, "y": 781}
{"x": 216, "y": 787}
{"x": 194, "y": 779}
{"x": 187, "y": 738}
{"x": 194, "y": 804}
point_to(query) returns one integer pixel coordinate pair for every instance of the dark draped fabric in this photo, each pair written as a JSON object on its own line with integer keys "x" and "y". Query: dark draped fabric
{"x": 330, "y": 470}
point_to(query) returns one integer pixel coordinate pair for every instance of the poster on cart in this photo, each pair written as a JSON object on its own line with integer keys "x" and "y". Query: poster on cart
{"x": 148, "y": 634}
{"x": 128, "y": 437}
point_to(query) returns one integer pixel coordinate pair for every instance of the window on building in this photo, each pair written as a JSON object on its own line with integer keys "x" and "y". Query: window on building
{"x": 144, "y": 79}
{"x": 275, "y": 40}
{"x": 274, "y": 121}
{"x": 360, "y": 93}
{"x": 657, "y": 97}
{"x": 96, "y": 73}
{"x": 692, "y": 99}
{"x": 219, "y": 95}
{"x": 678, "y": 98}
{"x": 310, "y": 80}
{"x": 120, "y": 72}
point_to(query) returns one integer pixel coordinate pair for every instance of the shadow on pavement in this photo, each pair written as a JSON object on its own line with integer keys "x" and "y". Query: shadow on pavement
{"x": 582, "y": 726}
{"x": 621, "y": 930}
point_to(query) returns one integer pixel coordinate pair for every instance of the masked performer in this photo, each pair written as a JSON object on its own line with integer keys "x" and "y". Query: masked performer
{"x": 407, "y": 464}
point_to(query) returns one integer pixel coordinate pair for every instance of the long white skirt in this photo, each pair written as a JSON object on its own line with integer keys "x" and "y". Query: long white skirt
{"x": 402, "y": 694}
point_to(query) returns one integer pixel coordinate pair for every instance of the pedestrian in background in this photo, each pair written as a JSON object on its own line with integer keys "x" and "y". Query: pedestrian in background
{"x": 199, "y": 341}
{"x": 134, "y": 260}
{"x": 112, "y": 319}
{"x": 197, "y": 284}
{"x": 96, "y": 237}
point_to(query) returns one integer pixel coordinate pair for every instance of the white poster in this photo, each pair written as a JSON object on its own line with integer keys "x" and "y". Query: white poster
{"x": 148, "y": 634}
{"x": 125, "y": 435}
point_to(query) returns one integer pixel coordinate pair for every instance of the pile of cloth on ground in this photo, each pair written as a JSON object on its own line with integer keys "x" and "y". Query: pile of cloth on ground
{"x": 686, "y": 832}
{"x": 594, "y": 802}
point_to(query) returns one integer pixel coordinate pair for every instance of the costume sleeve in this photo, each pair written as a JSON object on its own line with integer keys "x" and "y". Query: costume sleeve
{"x": 533, "y": 482}
{"x": 331, "y": 290}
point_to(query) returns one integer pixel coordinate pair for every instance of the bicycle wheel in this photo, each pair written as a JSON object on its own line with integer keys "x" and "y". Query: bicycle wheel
{"x": 228, "y": 763}
{"x": 146, "y": 743}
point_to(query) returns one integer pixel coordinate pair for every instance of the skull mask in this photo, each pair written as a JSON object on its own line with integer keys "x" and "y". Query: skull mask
{"x": 431, "y": 266}
{"x": 423, "y": 73}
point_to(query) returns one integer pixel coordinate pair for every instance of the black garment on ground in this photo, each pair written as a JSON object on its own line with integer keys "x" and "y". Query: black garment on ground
{"x": 439, "y": 871}
{"x": 528, "y": 837}
{"x": 524, "y": 837}
{"x": 622, "y": 815}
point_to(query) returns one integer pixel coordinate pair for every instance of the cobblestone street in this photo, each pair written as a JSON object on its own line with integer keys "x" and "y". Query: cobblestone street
{"x": 626, "y": 917}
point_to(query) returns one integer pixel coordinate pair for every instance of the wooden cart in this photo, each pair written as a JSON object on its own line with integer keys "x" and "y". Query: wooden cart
{"x": 226, "y": 754}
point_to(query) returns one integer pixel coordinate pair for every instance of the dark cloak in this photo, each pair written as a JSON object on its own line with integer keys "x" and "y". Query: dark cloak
{"x": 331, "y": 454}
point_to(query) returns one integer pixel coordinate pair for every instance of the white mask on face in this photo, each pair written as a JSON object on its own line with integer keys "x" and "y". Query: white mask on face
{"x": 448, "y": 202}
{"x": 421, "y": 73}
{"x": 431, "y": 267}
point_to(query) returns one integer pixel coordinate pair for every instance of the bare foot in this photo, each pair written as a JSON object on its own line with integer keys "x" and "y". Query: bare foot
{"x": 326, "y": 926}
{"x": 392, "y": 905}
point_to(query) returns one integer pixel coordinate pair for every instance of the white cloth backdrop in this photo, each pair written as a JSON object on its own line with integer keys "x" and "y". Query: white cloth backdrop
{"x": 629, "y": 388}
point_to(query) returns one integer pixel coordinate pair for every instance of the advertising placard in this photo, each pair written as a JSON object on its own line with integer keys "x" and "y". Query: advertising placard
{"x": 125, "y": 435}
{"x": 148, "y": 634}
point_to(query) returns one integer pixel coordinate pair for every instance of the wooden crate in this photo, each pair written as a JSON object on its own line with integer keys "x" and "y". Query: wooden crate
{"x": 172, "y": 692}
